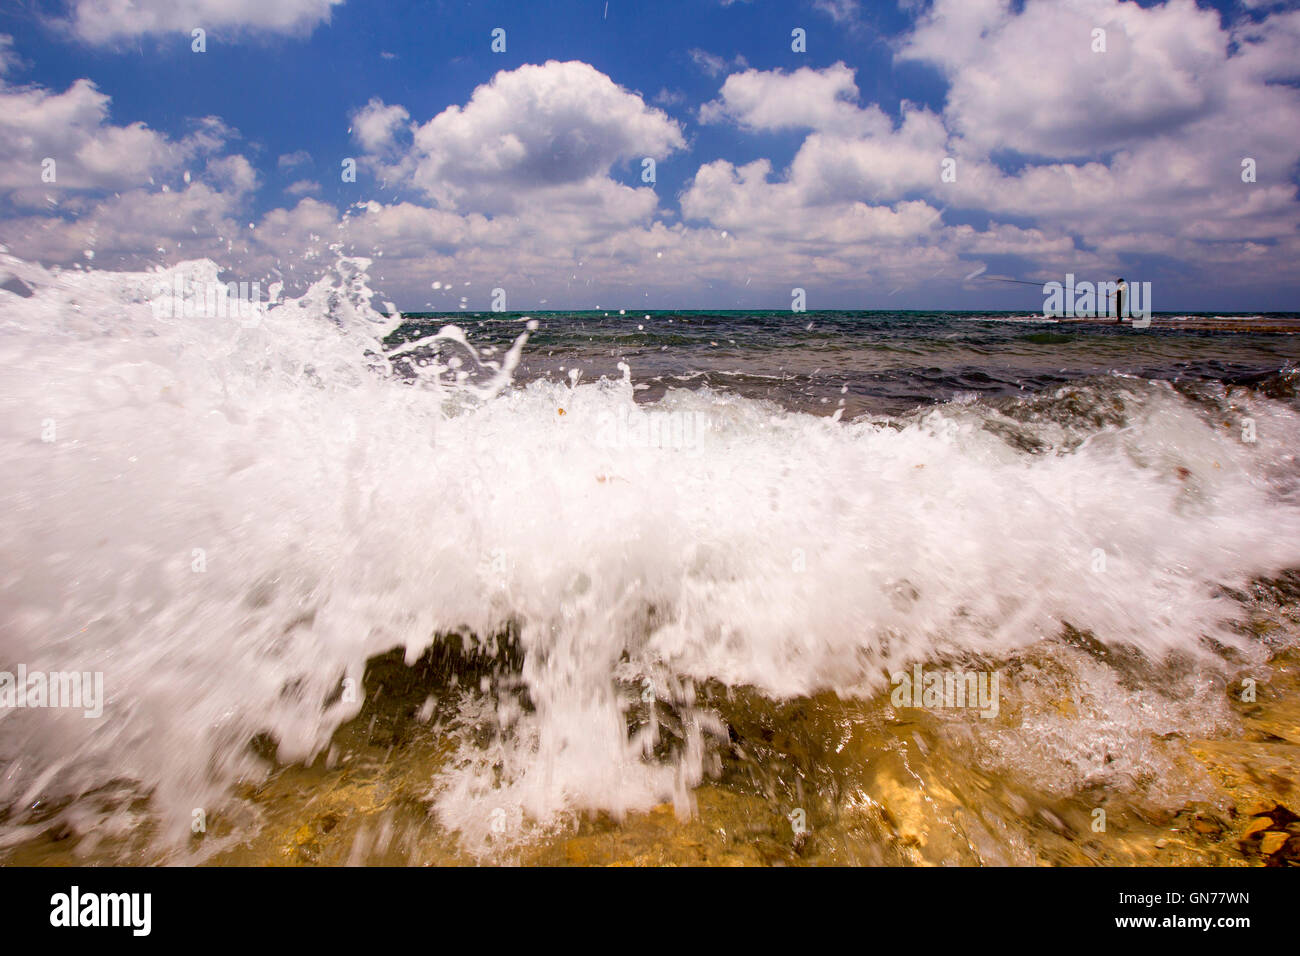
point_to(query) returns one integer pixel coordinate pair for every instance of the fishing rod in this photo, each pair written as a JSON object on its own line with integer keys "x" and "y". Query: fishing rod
{"x": 1037, "y": 285}
{"x": 1043, "y": 286}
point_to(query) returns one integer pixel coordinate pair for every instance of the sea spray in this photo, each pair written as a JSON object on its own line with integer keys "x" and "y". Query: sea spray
{"x": 349, "y": 498}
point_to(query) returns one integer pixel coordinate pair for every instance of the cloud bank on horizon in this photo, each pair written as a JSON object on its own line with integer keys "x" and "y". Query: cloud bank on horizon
{"x": 892, "y": 156}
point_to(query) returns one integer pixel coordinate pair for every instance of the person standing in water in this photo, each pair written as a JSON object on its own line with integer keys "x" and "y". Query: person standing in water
{"x": 1120, "y": 286}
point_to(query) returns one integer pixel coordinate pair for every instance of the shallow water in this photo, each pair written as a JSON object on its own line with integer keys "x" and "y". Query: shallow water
{"x": 878, "y": 362}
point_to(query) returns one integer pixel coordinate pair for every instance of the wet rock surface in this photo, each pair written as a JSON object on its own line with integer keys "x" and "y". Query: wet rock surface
{"x": 810, "y": 781}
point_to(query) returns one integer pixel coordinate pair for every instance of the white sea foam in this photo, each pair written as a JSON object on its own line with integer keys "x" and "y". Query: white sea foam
{"x": 229, "y": 520}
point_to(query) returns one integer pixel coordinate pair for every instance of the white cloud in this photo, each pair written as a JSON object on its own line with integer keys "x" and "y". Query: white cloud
{"x": 1146, "y": 138}
{"x": 715, "y": 65}
{"x": 853, "y": 155}
{"x": 1030, "y": 81}
{"x": 571, "y": 123}
{"x": 376, "y": 126}
{"x": 104, "y": 21}
{"x": 1154, "y": 152}
{"x": 9, "y": 60}
{"x": 536, "y": 135}
{"x": 135, "y": 228}
{"x": 293, "y": 160}
{"x": 744, "y": 200}
{"x": 804, "y": 99}
{"x": 841, "y": 11}
{"x": 519, "y": 187}
{"x": 165, "y": 193}
{"x": 232, "y": 174}
{"x": 89, "y": 152}
{"x": 1271, "y": 49}
{"x": 884, "y": 165}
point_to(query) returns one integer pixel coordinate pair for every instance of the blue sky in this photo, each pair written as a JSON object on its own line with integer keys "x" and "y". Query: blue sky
{"x": 775, "y": 169}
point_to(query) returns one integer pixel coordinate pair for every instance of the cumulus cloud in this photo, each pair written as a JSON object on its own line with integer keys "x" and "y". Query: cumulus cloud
{"x": 376, "y": 126}
{"x": 127, "y": 192}
{"x": 135, "y": 228}
{"x": 712, "y": 64}
{"x": 841, "y": 11}
{"x": 232, "y": 174}
{"x": 804, "y": 99}
{"x": 1135, "y": 150}
{"x": 105, "y": 21}
{"x": 293, "y": 160}
{"x": 1032, "y": 81}
{"x": 1146, "y": 138}
{"x": 9, "y": 60}
{"x": 1063, "y": 164}
{"x": 546, "y": 133}
{"x": 846, "y": 180}
{"x": 72, "y": 129}
{"x": 744, "y": 200}
{"x": 571, "y": 124}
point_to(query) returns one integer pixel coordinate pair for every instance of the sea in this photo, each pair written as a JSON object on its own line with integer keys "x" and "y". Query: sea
{"x": 605, "y": 526}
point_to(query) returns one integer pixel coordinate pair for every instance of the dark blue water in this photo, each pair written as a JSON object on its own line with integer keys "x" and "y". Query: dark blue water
{"x": 877, "y": 362}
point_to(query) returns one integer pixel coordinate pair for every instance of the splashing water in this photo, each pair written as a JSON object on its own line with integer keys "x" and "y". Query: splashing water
{"x": 229, "y": 519}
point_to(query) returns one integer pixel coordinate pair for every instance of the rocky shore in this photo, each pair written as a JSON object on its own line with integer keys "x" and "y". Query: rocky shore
{"x": 809, "y": 781}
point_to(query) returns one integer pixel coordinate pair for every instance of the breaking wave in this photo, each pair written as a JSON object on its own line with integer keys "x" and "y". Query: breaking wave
{"x": 228, "y": 519}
